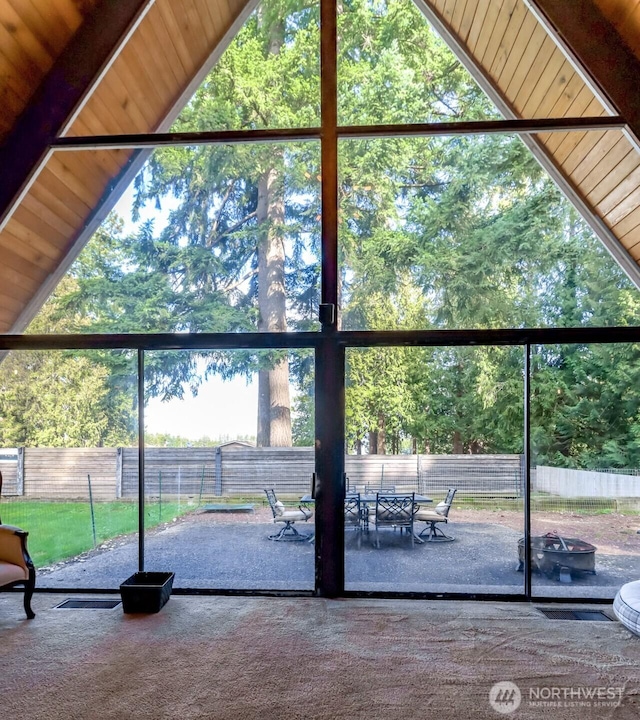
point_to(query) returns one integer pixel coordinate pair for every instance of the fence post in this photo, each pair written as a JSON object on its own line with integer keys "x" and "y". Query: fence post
{"x": 20, "y": 472}
{"x": 93, "y": 516}
{"x": 118, "y": 472}
{"x": 218, "y": 471}
{"x": 204, "y": 467}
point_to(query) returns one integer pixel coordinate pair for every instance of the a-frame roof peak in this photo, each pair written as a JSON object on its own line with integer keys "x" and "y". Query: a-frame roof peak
{"x": 533, "y": 57}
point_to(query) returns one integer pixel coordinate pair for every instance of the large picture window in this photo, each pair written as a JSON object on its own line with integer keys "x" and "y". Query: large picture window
{"x": 372, "y": 261}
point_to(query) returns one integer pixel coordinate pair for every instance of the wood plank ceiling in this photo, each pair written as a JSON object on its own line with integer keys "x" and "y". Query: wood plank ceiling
{"x": 528, "y": 75}
{"x": 504, "y": 44}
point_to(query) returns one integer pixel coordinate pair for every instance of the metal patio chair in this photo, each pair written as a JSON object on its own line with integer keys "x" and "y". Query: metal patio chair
{"x": 386, "y": 489}
{"x": 394, "y": 511}
{"x": 368, "y": 508}
{"x": 434, "y": 517}
{"x": 355, "y": 515}
{"x": 288, "y": 517}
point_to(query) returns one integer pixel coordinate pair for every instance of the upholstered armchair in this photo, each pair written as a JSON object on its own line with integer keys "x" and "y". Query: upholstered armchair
{"x": 16, "y": 567}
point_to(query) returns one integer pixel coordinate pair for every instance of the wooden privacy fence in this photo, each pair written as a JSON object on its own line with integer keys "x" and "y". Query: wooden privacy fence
{"x": 219, "y": 471}
{"x": 61, "y": 473}
{"x": 168, "y": 471}
{"x": 234, "y": 470}
{"x": 483, "y": 475}
{"x": 486, "y": 475}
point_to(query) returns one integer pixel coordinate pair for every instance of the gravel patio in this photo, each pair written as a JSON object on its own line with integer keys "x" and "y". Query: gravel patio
{"x": 209, "y": 550}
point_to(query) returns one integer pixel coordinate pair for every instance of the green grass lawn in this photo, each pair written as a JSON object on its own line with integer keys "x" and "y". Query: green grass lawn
{"x": 60, "y": 530}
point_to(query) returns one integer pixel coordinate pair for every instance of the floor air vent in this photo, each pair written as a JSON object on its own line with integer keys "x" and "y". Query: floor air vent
{"x": 89, "y": 604}
{"x": 574, "y": 614}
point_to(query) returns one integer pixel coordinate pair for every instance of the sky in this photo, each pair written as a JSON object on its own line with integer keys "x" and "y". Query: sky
{"x": 221, "y": 408}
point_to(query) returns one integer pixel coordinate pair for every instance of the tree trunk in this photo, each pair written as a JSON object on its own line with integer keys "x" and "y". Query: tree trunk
{"x": 274, "y": 402}
{"x": 382, "y": 435}
{"x": 263, "y": 436}
{"x": 458, "y": 447}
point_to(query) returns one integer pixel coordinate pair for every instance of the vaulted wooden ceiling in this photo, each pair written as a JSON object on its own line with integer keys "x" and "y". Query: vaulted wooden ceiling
{"x": 535, "y": 59}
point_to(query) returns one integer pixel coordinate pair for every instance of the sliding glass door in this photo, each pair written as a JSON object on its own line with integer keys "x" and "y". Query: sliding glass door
{"x": 434, "y": 460}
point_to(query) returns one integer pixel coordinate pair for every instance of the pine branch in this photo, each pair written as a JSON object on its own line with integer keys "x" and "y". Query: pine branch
{"x": 216, "y": 222}
{"x": 238, "y": 283}
{"x": 239, "y": 224}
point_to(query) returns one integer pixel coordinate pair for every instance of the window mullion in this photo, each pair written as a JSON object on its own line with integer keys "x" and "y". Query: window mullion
{"x": 329, "y": 355}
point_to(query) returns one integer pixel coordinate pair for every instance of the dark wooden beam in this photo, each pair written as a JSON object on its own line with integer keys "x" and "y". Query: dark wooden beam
{"x": 62, "y": 92}
{"x": 154, "y": 140}
{"x": 329, "y": 454}
{"x": 329, "y": 392}
{"x": 597, "y": 47}
{"x": 226, "y": 137}
{"x": 329, "y": 153}
{"x": 323, "y": 342}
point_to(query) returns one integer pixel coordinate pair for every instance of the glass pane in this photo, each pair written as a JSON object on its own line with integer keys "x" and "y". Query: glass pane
{"x": 66, "y": 417}
{"x": 393, "y": 67}
{"x": 585, "y": 499}
{"x": 222, "y": 428}
{"x": 204, "y": 239}
{"x": 423, "y": 423}
{"x": 470, "y": 232}
{"x": 268, "y": 75}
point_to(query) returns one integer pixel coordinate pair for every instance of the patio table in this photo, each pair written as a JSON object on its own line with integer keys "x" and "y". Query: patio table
{"x": 370, "y": 498}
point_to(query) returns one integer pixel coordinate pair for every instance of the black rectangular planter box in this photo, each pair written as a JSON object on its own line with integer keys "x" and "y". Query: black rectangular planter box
{"x": 146, "y": 592}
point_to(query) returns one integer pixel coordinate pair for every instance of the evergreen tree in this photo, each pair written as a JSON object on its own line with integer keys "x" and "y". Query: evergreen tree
{"x": 245, "y": 213}
{"x": 444, "y": 233}
{"x": 66, "y": 398}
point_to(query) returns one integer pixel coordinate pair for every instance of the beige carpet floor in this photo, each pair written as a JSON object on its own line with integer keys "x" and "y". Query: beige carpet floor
{"x": 290, "y": 658}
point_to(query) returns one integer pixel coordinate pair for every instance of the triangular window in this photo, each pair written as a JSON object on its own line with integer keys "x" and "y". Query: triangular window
{"x": 268, "y": 77}
{"x": 456, "y": 232}
{"x": 393, "y": 68}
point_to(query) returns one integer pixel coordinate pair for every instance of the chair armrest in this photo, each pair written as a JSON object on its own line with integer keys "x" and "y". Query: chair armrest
{"x": 13, "y": 546}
